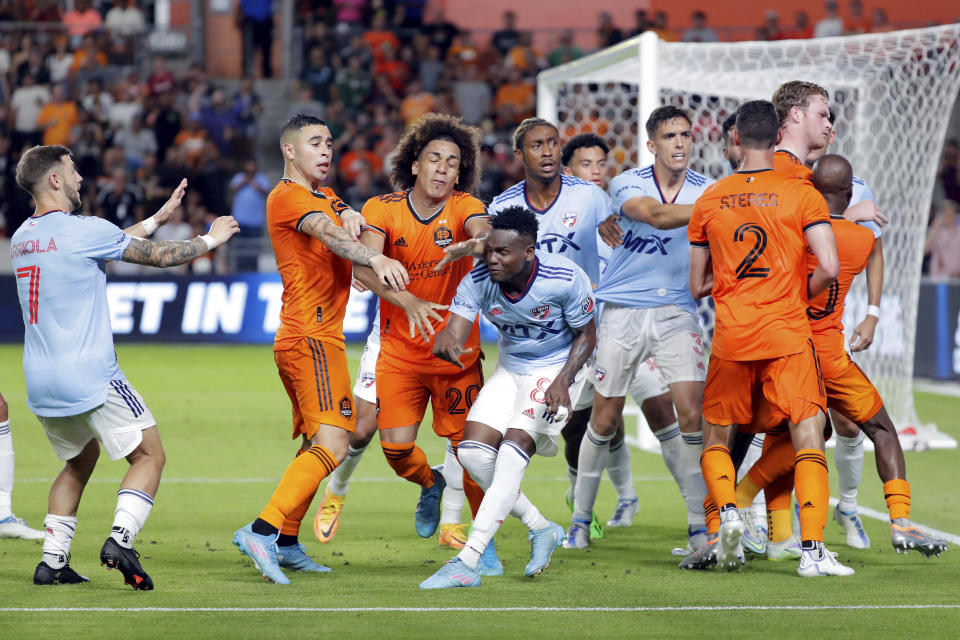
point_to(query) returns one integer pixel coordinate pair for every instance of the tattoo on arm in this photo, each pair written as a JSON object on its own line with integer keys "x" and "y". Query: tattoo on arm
{"x": 337, "y": 240}
{"x": 168, "y": 253}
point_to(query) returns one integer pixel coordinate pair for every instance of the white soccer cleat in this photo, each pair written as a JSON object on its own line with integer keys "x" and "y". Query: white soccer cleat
{"x": 730, "y": 551}
{"x": 624, "y": 513}
{"x": 852, "y": 527}
{"x": 14, "y": 527}
{"x": 820, "y": 562}
{"x": 578, "y": 535}
{"x": 788, "y": 549}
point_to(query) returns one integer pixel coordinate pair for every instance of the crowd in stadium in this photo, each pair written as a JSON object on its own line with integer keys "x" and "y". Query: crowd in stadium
{"x": 369, "y": 68}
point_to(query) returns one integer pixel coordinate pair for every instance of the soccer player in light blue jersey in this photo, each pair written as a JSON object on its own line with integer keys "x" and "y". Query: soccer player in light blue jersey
{"x": 543, "y": 307}
{"x": 74, "y": 384}
{"x": 648, "y": 311}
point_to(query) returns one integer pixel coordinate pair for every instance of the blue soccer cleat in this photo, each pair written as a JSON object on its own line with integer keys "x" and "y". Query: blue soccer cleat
{"x": 452, "y": 574}
{"x": 490, "y": 564}
{"x": 427, "y": 517}
{"x": 263, "y": 551}
{"x": 295, "y": 557}
{"x": 543, "y": 542}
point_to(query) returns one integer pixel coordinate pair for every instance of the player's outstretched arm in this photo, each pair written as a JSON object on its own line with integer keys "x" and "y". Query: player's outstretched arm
{"x": 820, "y": 238}
{"x": 171, "y": 253}
{"x": 862, "y": 336}
{"x": 339, "y": 241}
{"x": 478, "y": 228}
{"x": 558, "y": 393}
{"x": 610, "y": 231}
{"x": 701, "y": 272}
{"x": 657, "y": 214}
{"x": 146, "y": 228}
{"x": 448, "y": 344}
{"x": 865, "y": 211}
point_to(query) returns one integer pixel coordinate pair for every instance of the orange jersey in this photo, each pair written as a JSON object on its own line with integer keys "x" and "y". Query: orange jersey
{"x": 754, "y": 223}
{"x": 854, "y": 244}
{"x": 316, "y": 281}
{"x": 419, "y": 245}
{"x": 786, "y": 162}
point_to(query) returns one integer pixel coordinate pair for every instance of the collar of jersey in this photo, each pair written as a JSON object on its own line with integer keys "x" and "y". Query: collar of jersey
{"x": 526, "y": 287}
{"x": 754, "y": 170}
{"x": 35, "y": 216}
{"x": 660, "y": 191}
{"x": 413, "y": 212}
{"x": 792, "y": 155}
{"x": 526, "y": 198}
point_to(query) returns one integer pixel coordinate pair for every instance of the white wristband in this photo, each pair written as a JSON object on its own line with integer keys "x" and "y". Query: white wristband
{"x": 210, "y": 242}
{"x": 149, "y": 226}
{"x": 873, "y": 310}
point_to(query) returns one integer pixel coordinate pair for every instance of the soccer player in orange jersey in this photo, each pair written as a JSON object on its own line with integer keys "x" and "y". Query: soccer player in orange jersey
{"x": 436, "y": 166}
{"x": 754, "y": 227}
{"x": 314, "y": 237}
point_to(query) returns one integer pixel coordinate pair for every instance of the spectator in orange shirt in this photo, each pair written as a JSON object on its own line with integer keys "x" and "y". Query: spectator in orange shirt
{"x": 57, "y": 118}
{"x": 801, "y": 28}
{"x": 416, "y": 103}
{"x": 392, "y": 67}
{"x": 359, "y": 155}
{"x": 523, "y": 56}
{"x": 82, "y": 20}
{"x": 380, "y": 35}
{"x": 191, "y": 140}
{"x": 662, "y": 28}
{"x": 88, "y": 49}
{"x": 515, "y": 99}
{"x": 857, "y": 22}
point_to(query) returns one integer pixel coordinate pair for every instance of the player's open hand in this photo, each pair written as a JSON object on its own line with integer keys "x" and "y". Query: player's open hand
{"x": 223, "y": 228}
{"x": 471, "y": 247}
{"x": 352, "y": 223}
{"x": 610, "y": 231}
{"x": 390, "y": 271}
{"x": 862, "y": 336}
{"x": 446, "y": 348}
{"x": 420, "y": 313}
{"x": 165, "y": 213}
{"x": 557, "y": 399}
{"x": 866, "y": 211}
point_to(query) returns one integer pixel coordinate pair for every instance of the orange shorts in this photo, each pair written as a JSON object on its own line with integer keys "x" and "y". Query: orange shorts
{"x": 849, "y": 391}
{"x": 792, "y": 385}
{"x": 317, "y": 379}
{"x": 402, "y": 396}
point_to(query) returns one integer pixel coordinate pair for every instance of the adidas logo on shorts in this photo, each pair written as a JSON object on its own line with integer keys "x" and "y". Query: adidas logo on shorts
{"x": 530, "y": 413}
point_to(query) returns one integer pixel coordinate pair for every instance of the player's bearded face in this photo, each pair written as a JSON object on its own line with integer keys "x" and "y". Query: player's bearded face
{"x": 672, "y": 144}
{"x": 71, "y": 183}
{"x": 541, "y": 153}
{"x": 438, "y": 169}
{"x": 816, "y": 122}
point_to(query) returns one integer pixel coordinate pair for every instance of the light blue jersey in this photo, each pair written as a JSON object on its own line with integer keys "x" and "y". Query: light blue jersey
{"x": 60, "y": 264}
{"x": 568, "y": 226}
{"x": 652, "y": 266}
{"x": 533, "y": 327}
{"x": 861, "y": 192}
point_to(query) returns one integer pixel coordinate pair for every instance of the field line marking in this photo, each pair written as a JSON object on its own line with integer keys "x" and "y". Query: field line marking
{"x": 852, "y": 607}
{"x": 885, "y": 517}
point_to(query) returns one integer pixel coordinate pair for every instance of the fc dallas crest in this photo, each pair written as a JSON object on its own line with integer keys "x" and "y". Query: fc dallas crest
{"x": 541, "y": 312}
{"x": 569, "y": 219}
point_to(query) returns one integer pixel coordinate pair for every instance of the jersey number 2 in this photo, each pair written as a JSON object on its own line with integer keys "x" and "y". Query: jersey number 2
{"x": 33, "y": 273}
{"x": 746, "y": 269}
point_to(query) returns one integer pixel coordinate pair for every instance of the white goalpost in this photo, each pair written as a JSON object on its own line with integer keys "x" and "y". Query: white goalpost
{"x": 892, "y": 95}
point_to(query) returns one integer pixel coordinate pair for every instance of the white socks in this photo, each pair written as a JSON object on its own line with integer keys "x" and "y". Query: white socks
{"x": 571, "y": 487}
{"x": 58, "y": 534}
{"x": 340, "y": 478}
{"x": 453, "y": 495}
{"x": 849, "y": 459}
{"x": 480, "y": 461}
{"x": 133, "y": 507}
{"x": 692, "y": 486}
{"x": 498, "y": 501}
{"x": 6, "y": 469}
{"x": 618, "y": 468}
{"x": 594, "y": 453}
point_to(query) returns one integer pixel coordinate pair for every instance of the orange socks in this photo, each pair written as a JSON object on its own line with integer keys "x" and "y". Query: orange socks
{"x": 747, "y": 490}
{"x": 409, "y": 461}
{"x": 897, "y": 494}
{"x": 813, "y": 493}
{"x": 298, "y": 485}
{"x": 719, "y": 475}
{"x": 779, "y": 494}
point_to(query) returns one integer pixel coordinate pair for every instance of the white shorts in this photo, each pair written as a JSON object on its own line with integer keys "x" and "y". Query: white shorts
{"x": 116, "y": 423}
{"x": 629, "y": 336}
{"x": 365, "y": 387}
{"x": 646, "y": 384}
{"x": 516, "y": 401}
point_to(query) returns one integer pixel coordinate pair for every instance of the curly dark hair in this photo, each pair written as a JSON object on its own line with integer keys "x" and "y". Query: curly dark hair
{"x": 438, "y": 126}
{"x": 519, "y": 219}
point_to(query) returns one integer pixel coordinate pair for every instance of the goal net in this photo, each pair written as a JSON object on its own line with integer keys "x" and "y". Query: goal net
{"x": 892, "y": 96}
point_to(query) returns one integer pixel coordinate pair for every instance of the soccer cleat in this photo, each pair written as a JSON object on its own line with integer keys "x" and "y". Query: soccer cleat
{"x": 543, "y": 542}
{"x": 453, "y": 535}
{"x": 596, "y": 529}
{"x": 14, "y": 527}
{"x": 704, "y": 556}
{"x": 427, "y": 516}
{"x": 905, "y": 537}
{"x": 263, "y": 551}
{"x": 754, "y": 535}
{"x": 729, "y": 550}
{"x": 113, "y": 556}
{"x": 490, "y": 564}
{"x": 623, "y": 514}
{"x": 788, "y": 549}
{"x": 578, "y": 535}
{"x": 819, "y": 562}
{"x": 852, "y": 526}
{"x": 327, "y": 520}
{"x": 295, "y": 557}
{"x": 452, "y": 574}
{"x": 45, "y": 574}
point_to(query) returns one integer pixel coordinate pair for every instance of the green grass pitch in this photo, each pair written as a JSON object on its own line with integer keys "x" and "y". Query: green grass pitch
{"x": 224, "y": 419}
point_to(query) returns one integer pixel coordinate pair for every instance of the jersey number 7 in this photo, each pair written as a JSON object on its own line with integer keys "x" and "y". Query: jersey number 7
{"x": 33, "y": 273}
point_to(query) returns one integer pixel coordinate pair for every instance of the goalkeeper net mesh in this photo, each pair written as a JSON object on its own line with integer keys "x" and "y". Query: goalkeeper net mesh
{"x": 892, "y": 96}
